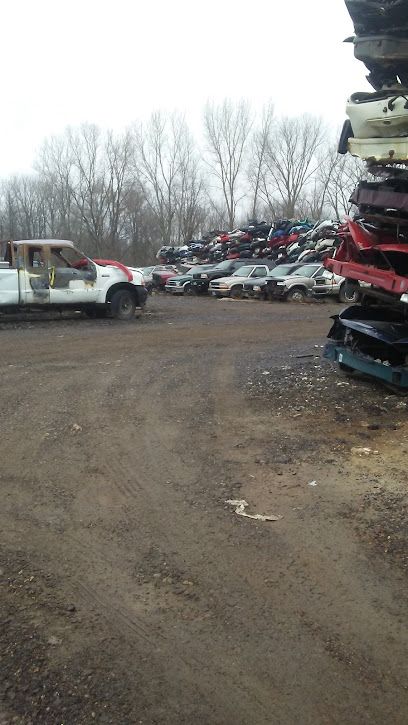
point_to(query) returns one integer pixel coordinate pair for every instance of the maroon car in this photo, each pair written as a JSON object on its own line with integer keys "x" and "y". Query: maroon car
{"x": 160, "y": 276}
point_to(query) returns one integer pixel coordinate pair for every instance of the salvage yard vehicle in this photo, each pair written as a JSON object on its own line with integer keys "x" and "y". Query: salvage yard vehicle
{"x": 257, "y": 287}
{"x": 52, "y": 274}
{"x": 181, "y": 284}
{"x": 308, "y": 280}
{"x": 233, "y": 286}
{"x": 201, "y": 280}
{"x": 162, "y": 274}
{"x": 147, "y": 273}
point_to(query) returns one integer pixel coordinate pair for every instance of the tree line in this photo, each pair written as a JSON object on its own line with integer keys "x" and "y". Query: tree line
{"x": 124, "y": 195}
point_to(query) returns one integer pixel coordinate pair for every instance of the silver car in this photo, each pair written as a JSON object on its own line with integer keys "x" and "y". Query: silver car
{"x": 233, "y": 286}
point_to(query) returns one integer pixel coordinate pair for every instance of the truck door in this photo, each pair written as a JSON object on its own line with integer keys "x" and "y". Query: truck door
{"x": 33, "y": 275}
{"x": 73, "y": 277}
{"x": 9, "y": 291}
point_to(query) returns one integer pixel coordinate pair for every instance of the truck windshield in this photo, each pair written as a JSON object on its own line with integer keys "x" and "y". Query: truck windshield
{"x": 243, "y": 272}
{"x": 306, "y": 271}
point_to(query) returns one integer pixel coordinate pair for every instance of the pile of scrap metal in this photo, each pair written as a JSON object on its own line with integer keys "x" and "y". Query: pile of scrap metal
{"x": 372, "y": 337}
{"x": 281, "y": 241}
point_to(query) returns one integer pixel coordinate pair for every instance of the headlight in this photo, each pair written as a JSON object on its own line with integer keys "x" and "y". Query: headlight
{"x": 256, "y": 288}
{"x": 204, "y": 276}
{"x": 404, "y": 297}
{"x": 280, "y": 284}
{"x": 223, "y": 285}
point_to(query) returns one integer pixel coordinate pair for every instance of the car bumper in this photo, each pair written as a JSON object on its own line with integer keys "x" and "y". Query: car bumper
{"x": 219, "y": 292}
{"x": 278, "y": 292}
{"x": 200, "y": 285}
{"x": 174, "y": 290}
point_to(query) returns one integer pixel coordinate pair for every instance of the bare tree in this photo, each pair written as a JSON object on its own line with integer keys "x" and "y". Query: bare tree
{"x": 345, "y": 173}
{"x": 168, "y": 170}
{"x": 291, "y": 161}
{"x": 227, "y": 128}
{"x": 260, "y": 142}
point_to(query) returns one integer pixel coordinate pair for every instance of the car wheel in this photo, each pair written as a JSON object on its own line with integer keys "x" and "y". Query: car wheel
{"x": 296, "y": 295}
{"x": 236, "y": 292}
{"x": 188, "y": 289}
{"x": 123, "y": 305}
{"x": 349, "y": 292}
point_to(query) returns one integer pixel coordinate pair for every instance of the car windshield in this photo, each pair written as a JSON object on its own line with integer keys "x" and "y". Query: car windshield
{"x": 306, "y": 271}
{"x": 223, "y": 265}
{"x": 280, "y": 271}
{"x": 243, "y": 272}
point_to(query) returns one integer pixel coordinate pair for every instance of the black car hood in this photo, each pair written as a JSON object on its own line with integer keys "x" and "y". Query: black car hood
{"x": 181, "y": 278}
{"x": 373, "y": 17}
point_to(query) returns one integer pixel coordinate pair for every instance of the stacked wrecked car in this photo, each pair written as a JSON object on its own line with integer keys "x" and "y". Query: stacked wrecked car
{"x": 372, "y": 337}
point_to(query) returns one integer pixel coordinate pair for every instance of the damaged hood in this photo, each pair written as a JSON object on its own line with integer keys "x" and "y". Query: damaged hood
{"x": 391, "y": 332}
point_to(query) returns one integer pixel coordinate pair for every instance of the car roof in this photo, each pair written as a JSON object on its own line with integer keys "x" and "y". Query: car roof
{"x": 41, "y": 242}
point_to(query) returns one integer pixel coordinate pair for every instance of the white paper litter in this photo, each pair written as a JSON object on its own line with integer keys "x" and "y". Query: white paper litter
{"x": 241, "y": 505}
{"x": 363, "y": 451}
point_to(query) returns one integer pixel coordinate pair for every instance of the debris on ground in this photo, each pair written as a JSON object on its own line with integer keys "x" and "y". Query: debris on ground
{"x": 241, "y": 505}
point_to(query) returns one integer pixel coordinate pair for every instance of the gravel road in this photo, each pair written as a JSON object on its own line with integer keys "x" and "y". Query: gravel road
{"x": 131, "y": 592}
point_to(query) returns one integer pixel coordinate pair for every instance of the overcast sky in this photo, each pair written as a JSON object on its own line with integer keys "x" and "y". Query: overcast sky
{"x": 69, "y": 61}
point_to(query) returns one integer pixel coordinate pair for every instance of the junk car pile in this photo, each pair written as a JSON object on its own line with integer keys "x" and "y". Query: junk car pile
{"x": 287, "y": 263}
{"x": 372, "y": 337}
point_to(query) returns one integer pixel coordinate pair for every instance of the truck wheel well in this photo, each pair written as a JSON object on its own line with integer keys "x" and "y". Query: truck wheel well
{"x": 119, "y": 286}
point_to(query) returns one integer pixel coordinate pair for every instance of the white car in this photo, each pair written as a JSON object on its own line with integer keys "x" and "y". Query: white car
{"x": 233, "y": 286}
{"x": 51, "y": 273}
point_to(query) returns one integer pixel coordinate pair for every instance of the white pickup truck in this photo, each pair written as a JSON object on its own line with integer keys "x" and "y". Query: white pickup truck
{"x": 51, "y": 273}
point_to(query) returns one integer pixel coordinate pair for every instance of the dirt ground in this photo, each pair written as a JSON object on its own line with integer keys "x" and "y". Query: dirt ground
{"x": 131, "y": 592}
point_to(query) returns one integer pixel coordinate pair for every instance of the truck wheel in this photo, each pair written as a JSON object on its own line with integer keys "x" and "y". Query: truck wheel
{"x": 349, "y": 292}
{"x": 296, "y": 295}
{"x": 236, "y": 292}
{"x": 123, "y": 305}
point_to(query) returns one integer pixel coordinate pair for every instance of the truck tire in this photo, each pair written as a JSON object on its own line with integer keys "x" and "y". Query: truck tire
{"x": 123, "y": 305}
{"x": 349, "y": 292}
{"x": 296, "y": 295}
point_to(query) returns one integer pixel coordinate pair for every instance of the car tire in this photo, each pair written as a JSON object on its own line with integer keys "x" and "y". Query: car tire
{"x": 123, "y": 305}
{"x": 236, "y": 292}
{"x": 349, "y": 292}
{"x": 296, "y": 295}
{"x": 187, "y": 289}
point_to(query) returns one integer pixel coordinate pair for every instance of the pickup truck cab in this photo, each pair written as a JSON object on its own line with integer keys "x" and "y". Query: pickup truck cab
{"x": 51, "y": 273}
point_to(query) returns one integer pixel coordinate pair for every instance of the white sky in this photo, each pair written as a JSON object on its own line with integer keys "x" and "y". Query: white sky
{"x": 65, "y": 62}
